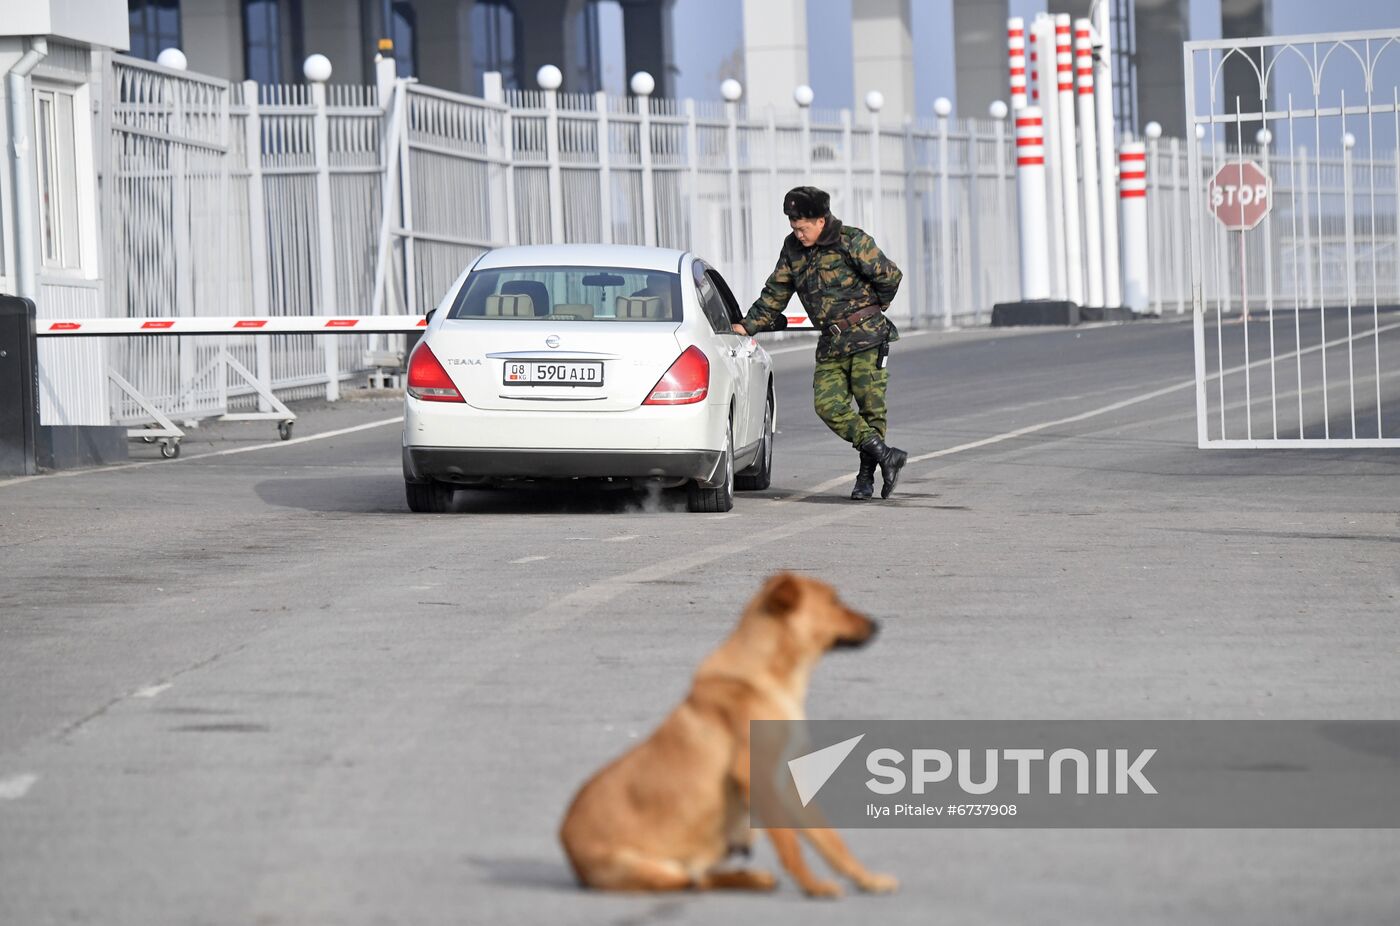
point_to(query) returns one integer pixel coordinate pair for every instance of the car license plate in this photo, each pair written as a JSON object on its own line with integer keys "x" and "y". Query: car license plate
{"x": 553, "y": 373}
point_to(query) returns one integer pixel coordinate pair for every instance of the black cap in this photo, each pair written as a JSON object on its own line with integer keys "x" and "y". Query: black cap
{"x": 806, "y": 202}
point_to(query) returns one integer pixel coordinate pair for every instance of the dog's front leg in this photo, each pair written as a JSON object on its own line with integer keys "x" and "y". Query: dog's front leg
{"x": 832, "y": 848}
{"x": 790, "y": 855}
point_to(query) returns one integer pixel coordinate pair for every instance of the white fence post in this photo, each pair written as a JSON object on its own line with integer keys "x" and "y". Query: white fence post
{"x": 692, "y": 146}
{"x": 732, "y": 92}
{"x": 1108, "y": 205}
{"x": 257, "y": 232}
{"x": 605, "y": 216}
{"x": 556, "y": 180}
{"x": 873, "y": 102}
{"x": 325, "y": 221}
{"x": 945, "y": 213}
{"x": 642, "y": 86}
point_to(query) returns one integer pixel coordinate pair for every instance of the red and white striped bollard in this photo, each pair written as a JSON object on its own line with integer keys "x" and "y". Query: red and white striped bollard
{"x": 1016, "y": 47}
{"x": 1030, "y": 194}
{"x": 1069, "y": 166}
{"x": 1132, "y": 194}
{"x": 1088, "y": 146}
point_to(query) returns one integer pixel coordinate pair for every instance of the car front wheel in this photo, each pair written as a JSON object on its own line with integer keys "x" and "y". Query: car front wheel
{"x": 760, "y": 475}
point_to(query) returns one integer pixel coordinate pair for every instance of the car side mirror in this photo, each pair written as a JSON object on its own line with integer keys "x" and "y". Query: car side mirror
{"x": 431, "y": 313}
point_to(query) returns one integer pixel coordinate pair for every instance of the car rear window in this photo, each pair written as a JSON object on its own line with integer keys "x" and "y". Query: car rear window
{"x": 580, "y": 294}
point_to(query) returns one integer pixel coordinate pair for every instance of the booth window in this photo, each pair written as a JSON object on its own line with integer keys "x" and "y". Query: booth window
{"x": 56, "y": 180}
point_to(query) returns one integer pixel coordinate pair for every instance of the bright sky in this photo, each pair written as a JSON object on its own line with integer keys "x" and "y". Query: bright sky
{"x": 712, "y": 48}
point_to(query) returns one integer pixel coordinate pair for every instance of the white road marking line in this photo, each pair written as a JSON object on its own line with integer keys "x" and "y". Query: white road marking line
{"x": 67, "y": 473}
{"x": 621, "y": 539}
{"x": 16, "y": 786}
{"x": 1094, "y": 412}
{"x": 527, "y": 559}
{"x": 151, "y": 691}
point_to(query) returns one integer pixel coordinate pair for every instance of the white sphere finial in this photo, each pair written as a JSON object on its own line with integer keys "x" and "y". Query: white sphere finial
{"x": 549, "y": 77}
{"x": 803, "y": 95}
{"x": 942, "y": 107}
{"x": 731, "y": 90}
{"x": 997, "y": 110}
{"x": 317, "y": 69}
{"x": 874, "y": 101}
{"x": 1200, "y": 132}
{"x": 172, "y": 58}
{"x": 1348, "y": 141}
{"x": 1152, "y": 130}
{"x": 643, "y": 84}
{"x": 1263, "y": 137}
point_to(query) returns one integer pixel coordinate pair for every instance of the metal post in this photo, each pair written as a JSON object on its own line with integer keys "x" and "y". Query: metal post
{"x": 1093, "y": 239}
{"x": 1001, "y": 219}
{"x": 1030, "y": 196}
{"x": 1107, "y": 137}
{"x": 257, "y": 232}
{"x": 1305, "y": 203}
{"x": 877, "y": 180}
{"x": 325, "y": 233}
{"x": 692, "y": 146}
{"x": 1043, "y": 70}
{"x": 644, "y": 143}
{"x": 556, "y": 181}
{"x": 945, "y": 224}
{"x": 384, "y": 259}
{"x": 1069, "y": 168}
{"x": 1132, "y": 175}
{"x": 737, "y": 252}
{"x": 848, "y": 157}
{"x": 1016, "y": 52}
{"x": 22, "y": 168}
{"x": 605, "y": 204}
{"x": 974, "y": 219}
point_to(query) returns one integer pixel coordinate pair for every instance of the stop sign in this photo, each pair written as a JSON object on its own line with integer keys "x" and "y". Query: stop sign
{"x": 1240, "y": 194}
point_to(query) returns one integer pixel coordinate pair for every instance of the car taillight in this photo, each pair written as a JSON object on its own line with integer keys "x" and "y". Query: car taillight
{"x": 686, "y": 382}
{"x": 427, "y": 380}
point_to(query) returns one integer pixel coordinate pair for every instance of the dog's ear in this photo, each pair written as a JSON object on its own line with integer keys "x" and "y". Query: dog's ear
{"x": 781, "y": 594}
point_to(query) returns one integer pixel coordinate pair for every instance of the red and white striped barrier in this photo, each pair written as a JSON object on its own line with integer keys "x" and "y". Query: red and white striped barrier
{"x": 1016, "y": 46}
{"x": 1089, "y": 145}
{"x": 1030, "y": 195}
{"x": 231, "y": 325}
{"x": 1132, "y": 193}
{"x": 1047, "y": 90}
{"x": 1069, "y": 168}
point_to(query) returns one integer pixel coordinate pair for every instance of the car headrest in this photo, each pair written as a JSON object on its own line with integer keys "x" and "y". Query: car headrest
{"x": 508, "y": 306}
{"x": 641, "y": 307}
{"x": 537, "y": 291}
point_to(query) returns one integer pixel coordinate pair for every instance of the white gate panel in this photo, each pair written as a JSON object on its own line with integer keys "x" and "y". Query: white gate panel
{"x": 1297, "y": 320}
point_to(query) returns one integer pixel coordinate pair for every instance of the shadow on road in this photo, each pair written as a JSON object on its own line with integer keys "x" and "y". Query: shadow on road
{"x": 385, "y": 495}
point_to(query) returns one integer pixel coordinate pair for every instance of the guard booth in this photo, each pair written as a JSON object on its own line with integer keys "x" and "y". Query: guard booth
{"x": 51, "y": 71}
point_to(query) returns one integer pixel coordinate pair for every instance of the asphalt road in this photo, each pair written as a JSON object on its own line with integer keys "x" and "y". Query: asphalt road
{"x": 248, "y": 686}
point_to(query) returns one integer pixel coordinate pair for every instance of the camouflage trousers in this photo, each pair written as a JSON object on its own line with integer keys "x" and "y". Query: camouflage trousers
{"x": 835, "y": 383}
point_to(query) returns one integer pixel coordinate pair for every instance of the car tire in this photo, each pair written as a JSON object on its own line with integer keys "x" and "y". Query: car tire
{"x": 760, "y": 475}
{"x": 429, "y": 497}
{"x": 720, "y": 498}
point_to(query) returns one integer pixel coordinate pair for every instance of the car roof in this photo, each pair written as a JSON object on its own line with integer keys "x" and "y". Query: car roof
{"x": 623, "y": 256}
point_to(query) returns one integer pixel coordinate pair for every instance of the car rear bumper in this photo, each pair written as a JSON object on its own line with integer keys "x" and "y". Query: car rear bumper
{"x": 467, "y": 464}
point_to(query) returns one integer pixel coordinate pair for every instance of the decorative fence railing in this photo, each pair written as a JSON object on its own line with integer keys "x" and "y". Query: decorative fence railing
{"x": 223, "y": 198}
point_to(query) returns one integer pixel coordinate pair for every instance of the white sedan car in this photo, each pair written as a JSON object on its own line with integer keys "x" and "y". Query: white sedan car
{"x": 587, "y": 362}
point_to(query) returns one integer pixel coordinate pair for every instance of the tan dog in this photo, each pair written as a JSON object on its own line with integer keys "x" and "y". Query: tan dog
{"x": 664, "y": 816}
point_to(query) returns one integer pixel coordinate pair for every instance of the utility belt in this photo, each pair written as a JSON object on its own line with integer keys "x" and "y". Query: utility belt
{"x": 844, "y": 323}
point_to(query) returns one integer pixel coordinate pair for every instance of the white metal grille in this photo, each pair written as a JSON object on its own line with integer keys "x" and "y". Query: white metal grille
{"x": 1297, "y": 321}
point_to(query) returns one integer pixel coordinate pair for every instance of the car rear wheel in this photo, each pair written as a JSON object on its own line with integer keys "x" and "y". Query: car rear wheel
{"x": 429, "y": 497}
{"x": 720, "y": 498}
{"x": 760, "y": 475}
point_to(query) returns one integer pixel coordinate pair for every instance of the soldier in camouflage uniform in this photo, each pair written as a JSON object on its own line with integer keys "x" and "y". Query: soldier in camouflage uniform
{"x": 844, "y": 283}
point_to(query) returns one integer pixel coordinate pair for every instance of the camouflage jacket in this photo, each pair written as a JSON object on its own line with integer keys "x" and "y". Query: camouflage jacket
{"x": 844, "y": 271}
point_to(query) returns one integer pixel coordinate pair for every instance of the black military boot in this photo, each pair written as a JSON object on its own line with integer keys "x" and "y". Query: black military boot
{"x": 864, "y": 489}
{"x": 891, "y": 460}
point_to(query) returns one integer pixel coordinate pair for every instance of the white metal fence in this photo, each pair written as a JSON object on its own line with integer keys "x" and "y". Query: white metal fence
{"x": 241, "y": 199}
{"x": 1295, "y": 320}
